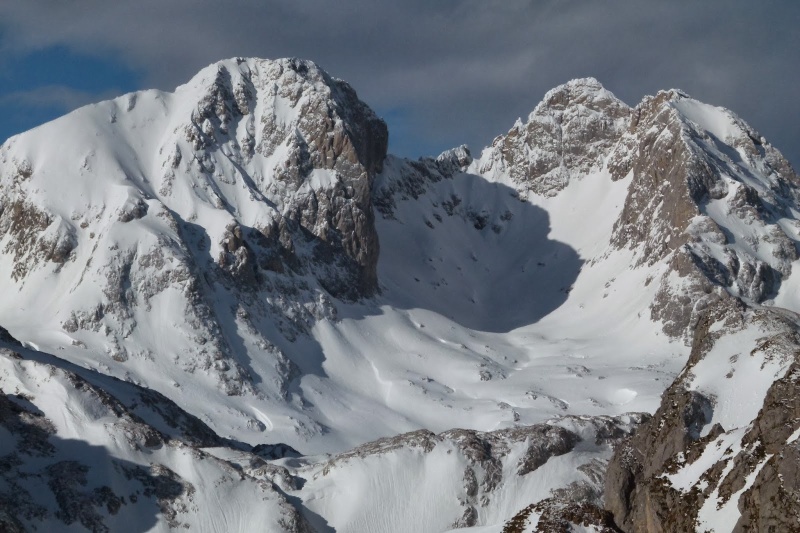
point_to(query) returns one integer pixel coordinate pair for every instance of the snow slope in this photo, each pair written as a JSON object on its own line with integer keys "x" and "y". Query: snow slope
{"x": 155, "y": 285}
{"x": 218, "y": 246}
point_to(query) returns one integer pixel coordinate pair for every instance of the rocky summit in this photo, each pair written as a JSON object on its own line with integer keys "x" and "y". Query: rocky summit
{"x": 226, "y": 308}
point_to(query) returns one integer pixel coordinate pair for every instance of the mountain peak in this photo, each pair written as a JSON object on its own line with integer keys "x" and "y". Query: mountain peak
{"x": 586, "y": 91}
{"x": 668, "y": 95}
{"x": 566, "y": 136}
{"x": 254, "y": 66}
{"x": 195, "y": 243}
{"x": 283, "y": 92}
{"x": 255, "y": 174}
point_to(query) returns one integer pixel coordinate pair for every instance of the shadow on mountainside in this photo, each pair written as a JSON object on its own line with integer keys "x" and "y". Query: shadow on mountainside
{"x": 472, "y": 251}
{"x": 52, "y": 482}
{"x": 152, "y": 407}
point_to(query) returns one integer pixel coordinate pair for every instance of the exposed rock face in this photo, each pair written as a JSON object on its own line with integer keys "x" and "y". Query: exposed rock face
{"x": 579, "y": 505}
{"x": 558, "y": 516}
{"x": 568, "y": 134}
{"x": 292, "y": 115}
{"x": 251, "y": 183}
{"x": 694, "y": 171}
{"x": 36, "y": 236}
{"x": 494, "y": 459}
{"x": 703, "y": 181}
{"x": 203, "y": 234}
{"x": 772, "y": 502}
{"x": 697, "y": 174}
{"x": 416, "y": 177}
{"x": 669, "y": 179}
{"x": 679, "y": 168}
{"x": 682, "y": 467}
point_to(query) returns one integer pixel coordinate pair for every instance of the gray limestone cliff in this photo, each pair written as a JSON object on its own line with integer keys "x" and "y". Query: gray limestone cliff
{"x": 752, "y": 467}
{"x": 567, "y": 135}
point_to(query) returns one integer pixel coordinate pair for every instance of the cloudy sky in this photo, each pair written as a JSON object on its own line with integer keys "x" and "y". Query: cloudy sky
{"x": 441, "y": 72}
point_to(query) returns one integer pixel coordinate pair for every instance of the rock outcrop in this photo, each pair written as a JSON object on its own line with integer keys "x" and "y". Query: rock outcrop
{"x": 707, "y": 458}
{"x": 496, "y": 460}
{"x": 567, "y": 135}
{"x": 143, "y": 468}
{"x": 701, "y": 181}
{"x": 251, "y": 183}
{"x": 207, "y": 260}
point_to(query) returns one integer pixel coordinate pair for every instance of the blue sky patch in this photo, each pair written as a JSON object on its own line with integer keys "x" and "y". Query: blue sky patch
{"x": 43, "y": 85}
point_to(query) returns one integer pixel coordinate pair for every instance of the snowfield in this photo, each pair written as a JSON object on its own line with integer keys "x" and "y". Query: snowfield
{"x": 209, "y": 339}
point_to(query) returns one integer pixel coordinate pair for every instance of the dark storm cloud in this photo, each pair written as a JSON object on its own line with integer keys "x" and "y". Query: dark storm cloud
{"x": 449, "y": 71}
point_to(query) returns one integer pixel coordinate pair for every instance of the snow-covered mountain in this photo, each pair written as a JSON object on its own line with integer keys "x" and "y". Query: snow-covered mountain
{"x": 230, "y": 294}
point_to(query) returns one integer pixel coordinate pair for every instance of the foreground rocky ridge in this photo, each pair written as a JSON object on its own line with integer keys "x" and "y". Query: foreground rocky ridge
{"x": 86, "y": 452}
{"x": 97, "y": 454}
{"x": 225, "y": 267}
{"x": 710, "y": 458}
